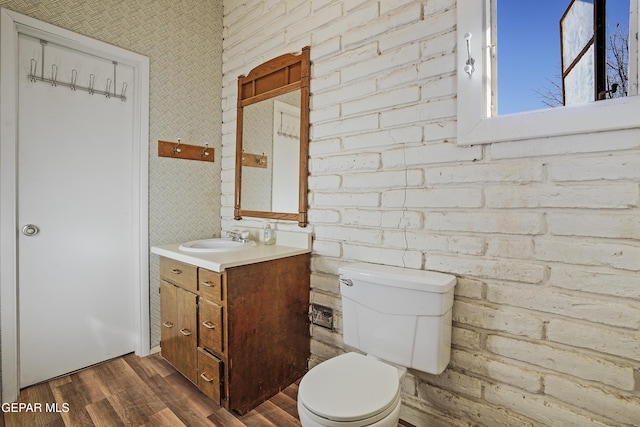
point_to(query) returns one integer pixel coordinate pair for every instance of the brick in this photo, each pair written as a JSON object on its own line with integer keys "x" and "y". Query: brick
{"x": 316, "y": 20}
{"x": 353, "y": 125}
{"x": 467, "y": 338}
{"x": 485, "y": 222}
{"x": 326, "y": 283}
{"x": 510, "y": 247}
{"x": 462, "y": 408}
{"x": 430, "y": 154}
{"x": 326, "y": 248}
{"x": 616, "y": 255}
{"x": 614, "y": 168}
{"x": 385, "y": 137}
{"x": 382, "y": 255}
{"x": 600, "y": 282}
{"x": 433, "y": 198}
{"x": 323, "y": 216}
{"x": 595, "y": 197}
{"x": 497, "y": 371}
{"x": 345, "y": 59}
{"x": 563, "y": 361}
{"x": 457, "y": 382}
{"x": 517, "y": 173}
{"x": 325, "y": 182}
{"x": 419, "y": 113}
{"x": 576, "y": 306}
{"x": 511, "y": 270}
{"x": 541, "y": 408}
{"x": 611, "y": 225}
{"x": 384, "y": 24}
{"x": 387, "y": 60}
{"x": 625, "y": 410}
{"x": 568, "y": 145}
{"x": 469, "y": 288}
{"x": 595, "y": 337}
{"x": 344, "y": 163}
{"x": 362, "y": 217}
{"x": 439, "y": 87}
{"x": 502, "y": 320}
{"x": 342, "y": 93}
{"x": 429, "y": 242}
{"x": 332, "y": 199}
{"x": 348, "y": 234}
{"x": 382, "y": 101}
{"x": 441, "y": 131}
{"x": 402, "y": 219}
{"x": 382, "y": 179}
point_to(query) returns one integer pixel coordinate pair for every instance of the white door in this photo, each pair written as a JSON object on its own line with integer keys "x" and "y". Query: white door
{"x": 75, "y": 286}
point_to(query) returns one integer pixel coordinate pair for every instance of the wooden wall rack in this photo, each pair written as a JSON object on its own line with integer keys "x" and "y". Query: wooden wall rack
{"x": 177, "y": 150}
{"x": 254, "y": 160}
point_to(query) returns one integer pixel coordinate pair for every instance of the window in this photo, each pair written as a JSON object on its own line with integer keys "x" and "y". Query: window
{"x": 480, "y": 120}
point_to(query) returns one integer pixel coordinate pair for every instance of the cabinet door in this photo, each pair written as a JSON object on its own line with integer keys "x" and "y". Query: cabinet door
{"x": 168, "y": 321}
{"x": 187, "y": 334}
{"x": 210, "y": 326}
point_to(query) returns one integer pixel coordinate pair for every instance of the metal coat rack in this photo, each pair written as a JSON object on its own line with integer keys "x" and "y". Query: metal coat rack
{"x": 108, "y": 92}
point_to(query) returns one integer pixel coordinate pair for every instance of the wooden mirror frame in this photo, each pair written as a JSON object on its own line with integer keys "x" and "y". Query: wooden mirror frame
{"x": 280, "y": 75}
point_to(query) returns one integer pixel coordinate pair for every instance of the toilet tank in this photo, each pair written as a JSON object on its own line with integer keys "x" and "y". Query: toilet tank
{"x": 399, "y": 315}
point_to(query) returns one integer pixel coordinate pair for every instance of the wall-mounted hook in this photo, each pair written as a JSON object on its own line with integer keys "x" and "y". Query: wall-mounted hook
{"x": 204, "y": 152}
{"x": 177, "y": 148}
{"x": 262, "y": 160}
{"x": 469, "y": 67}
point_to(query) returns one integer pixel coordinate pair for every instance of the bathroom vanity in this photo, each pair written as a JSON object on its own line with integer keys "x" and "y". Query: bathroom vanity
{"x": 235, "y": 323}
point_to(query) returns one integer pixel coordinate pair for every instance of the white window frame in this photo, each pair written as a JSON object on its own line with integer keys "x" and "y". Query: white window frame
{"x": 477, "y": 124}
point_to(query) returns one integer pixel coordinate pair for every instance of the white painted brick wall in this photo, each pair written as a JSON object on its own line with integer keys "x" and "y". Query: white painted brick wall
{"x": 543, "y": 235}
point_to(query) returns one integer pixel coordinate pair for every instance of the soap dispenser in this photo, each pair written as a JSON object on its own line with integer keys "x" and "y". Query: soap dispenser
{"x": 269, "y": 235}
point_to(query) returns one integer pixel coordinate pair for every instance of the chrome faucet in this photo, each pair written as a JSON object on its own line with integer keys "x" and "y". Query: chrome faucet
{"x": 238, "y": 236}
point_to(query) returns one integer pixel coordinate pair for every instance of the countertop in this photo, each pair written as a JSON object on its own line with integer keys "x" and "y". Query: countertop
{"x": 287, "y": 244}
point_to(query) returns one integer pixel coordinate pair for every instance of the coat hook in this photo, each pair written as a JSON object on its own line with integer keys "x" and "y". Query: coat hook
{"x": 261, "y": 160}
{"x": 204, "y": 152}
{"x": 74, "y": 79}
{"x": 107, "y": 91}
{"x": 33, "y": 68}
{"x": 92, "y": 82}
{"x": 54, "y": 75}
{"x": 123, "y": 94}
{"x": 177, "y": 148}
{"x": 469, "y": 67}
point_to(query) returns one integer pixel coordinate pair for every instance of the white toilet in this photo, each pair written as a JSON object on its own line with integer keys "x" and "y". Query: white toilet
{"x": 399, "y": 317}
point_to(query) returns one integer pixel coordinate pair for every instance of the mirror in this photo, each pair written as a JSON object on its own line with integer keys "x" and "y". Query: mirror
{"x": 272, "y": 140}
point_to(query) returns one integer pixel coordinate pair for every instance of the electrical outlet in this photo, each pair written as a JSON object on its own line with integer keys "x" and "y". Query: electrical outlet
{"x": 321, "y": 316}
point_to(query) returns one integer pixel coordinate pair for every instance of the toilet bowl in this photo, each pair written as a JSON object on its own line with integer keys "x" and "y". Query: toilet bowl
{"x": 350, "y": 390}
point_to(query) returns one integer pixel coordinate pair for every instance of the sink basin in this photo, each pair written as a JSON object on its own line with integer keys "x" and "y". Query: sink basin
{"x": 215, "y": 245}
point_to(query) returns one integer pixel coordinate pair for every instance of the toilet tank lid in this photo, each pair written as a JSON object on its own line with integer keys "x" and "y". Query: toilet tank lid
{"x": 408, "y": 278}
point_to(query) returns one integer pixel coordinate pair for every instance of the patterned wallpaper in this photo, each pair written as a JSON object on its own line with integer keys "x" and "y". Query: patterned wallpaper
{"x": 182, "y": 39}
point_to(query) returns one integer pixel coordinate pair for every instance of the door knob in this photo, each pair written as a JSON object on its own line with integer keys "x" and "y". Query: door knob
{"x": 30, "y": 230}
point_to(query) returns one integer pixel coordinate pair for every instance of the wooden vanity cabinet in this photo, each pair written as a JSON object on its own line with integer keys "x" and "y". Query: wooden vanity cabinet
{"x": 251, "y": 324}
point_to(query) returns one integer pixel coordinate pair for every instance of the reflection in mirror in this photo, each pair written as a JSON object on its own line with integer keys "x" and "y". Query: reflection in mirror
{"x": 272, "y": 144}
{"x": 271, "y": 130}
{"x": 549, "y": 53}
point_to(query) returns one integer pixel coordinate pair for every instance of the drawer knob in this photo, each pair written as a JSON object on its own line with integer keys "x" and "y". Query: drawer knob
{"x": 204, "y": 377}
{"x": 185, "y": 332}
{"x": 167, "y": 325}
{"x": 176, "y": 271}
{"x": 209, "y": 325}
{"x": 208, "y": 284}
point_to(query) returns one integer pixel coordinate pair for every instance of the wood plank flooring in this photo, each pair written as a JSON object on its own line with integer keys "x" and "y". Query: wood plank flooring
{"x": 133, "y": 391}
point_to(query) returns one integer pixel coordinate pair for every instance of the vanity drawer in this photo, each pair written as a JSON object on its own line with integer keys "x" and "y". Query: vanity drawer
{"x": 179, "y": 273}
{"x": 211, "y": 285}
{"x": 210, "y": 326}
{"x": 209, "y": 374}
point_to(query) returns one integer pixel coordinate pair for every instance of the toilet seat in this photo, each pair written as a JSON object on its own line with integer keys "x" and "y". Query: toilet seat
{"x": 350, "y": 390}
